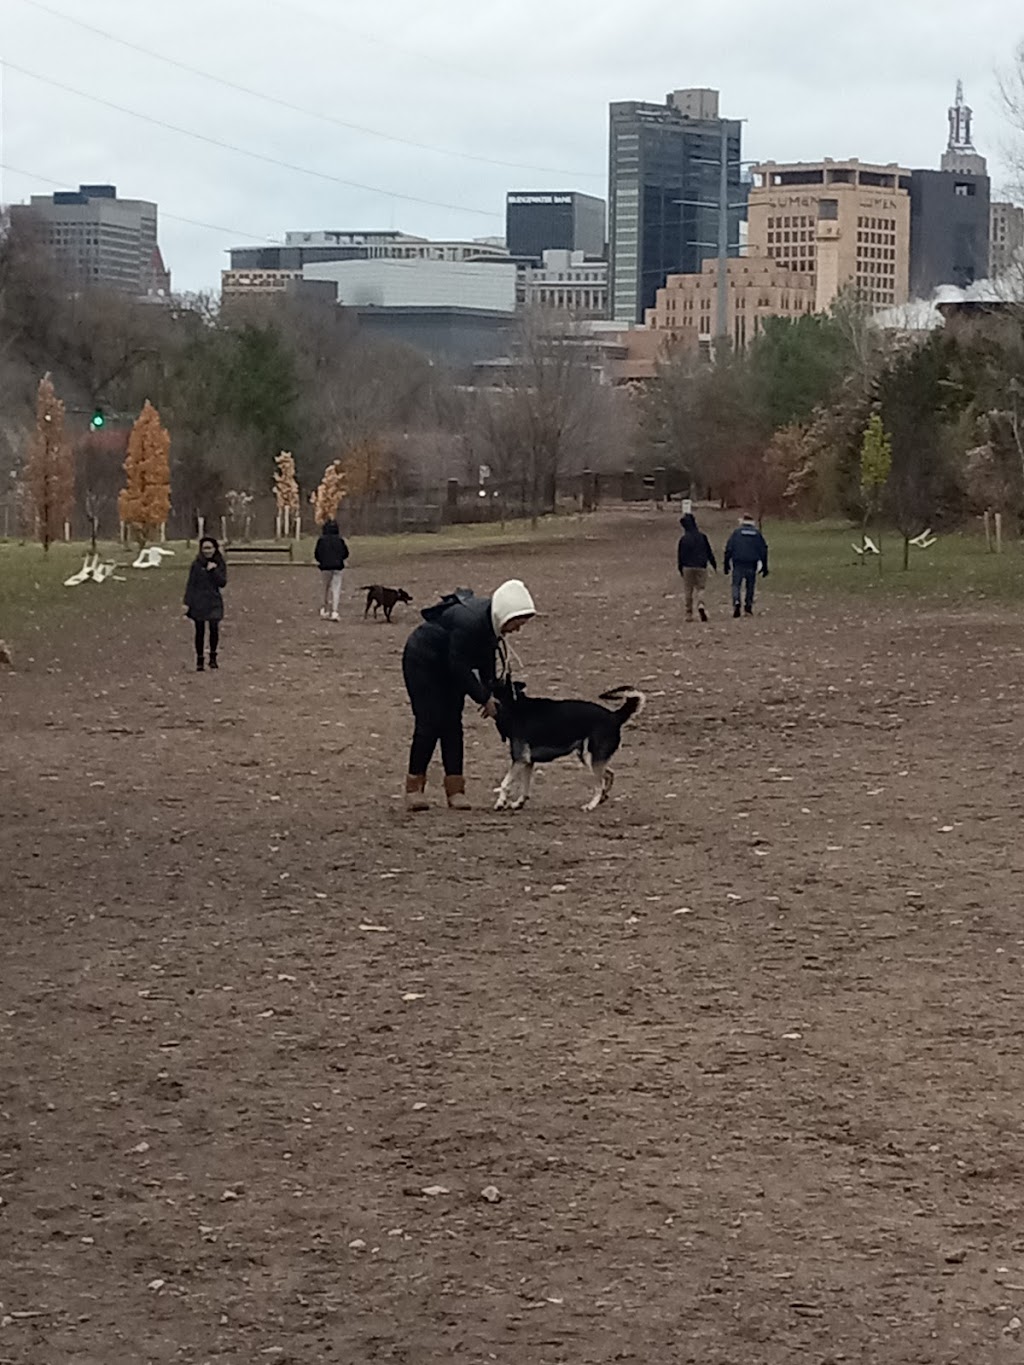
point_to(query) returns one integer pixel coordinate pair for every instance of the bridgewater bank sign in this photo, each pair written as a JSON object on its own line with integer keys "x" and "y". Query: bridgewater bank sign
{"x": 540, "y": 199}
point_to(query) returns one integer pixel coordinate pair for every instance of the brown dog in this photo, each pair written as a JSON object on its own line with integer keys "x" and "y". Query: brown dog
{"x": 379, "y": 596}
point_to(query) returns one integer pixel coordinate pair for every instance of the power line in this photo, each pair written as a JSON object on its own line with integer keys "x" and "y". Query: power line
{"x": 296, "y": 108}
{"x": 174, "y": 217}
{"x": 245, "y": 151}
{"x": 484, "y": 73}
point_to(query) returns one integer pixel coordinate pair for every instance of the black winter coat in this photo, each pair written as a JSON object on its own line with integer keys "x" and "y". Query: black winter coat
{"x": 331, "y": 551}
{"x": 695, "y": 551}
{"x": 206, "y": 577}
{"x": 457, "y": 650}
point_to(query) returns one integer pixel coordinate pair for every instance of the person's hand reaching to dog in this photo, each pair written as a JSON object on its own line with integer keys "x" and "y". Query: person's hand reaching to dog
{"x": 489, "y": 710}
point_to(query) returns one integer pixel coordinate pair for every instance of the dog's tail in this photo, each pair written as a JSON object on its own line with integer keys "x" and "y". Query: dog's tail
{"x": 368, "y": 587}
{"x": 632, "y": 699}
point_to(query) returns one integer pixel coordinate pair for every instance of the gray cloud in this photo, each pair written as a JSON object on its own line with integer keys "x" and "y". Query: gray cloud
{"x": 517, "y": 82}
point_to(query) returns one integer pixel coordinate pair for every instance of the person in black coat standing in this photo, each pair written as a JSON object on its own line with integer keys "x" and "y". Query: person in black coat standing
{"x": 331, "y": 554}
{"x": 204, "y": 604}
{"x": 694, "y": 555}
{"x": 453, "y": 655}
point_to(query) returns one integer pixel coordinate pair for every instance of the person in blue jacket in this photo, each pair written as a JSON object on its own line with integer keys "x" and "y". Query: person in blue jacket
{"x": 745, "y": 551}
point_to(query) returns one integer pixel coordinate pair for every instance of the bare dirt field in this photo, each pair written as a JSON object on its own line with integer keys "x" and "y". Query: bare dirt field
{"x": 741, "y": 1051}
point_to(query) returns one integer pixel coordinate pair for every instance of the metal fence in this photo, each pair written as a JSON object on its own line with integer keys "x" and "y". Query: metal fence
{"x": 425, "y": 509}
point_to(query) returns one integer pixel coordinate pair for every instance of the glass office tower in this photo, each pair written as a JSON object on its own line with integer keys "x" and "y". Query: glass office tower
{"x": 664, "y": 179}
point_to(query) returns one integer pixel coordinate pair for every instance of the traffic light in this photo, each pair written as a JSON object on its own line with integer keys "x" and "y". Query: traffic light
{"x": 98, "y": 420}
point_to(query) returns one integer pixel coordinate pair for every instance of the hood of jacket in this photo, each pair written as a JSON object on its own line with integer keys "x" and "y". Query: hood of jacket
{"x": 512, "y": 599}
{"x": 330, "y": 528}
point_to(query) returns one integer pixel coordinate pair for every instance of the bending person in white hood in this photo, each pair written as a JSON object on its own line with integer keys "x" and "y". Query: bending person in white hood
{"x": 452, "y": 656}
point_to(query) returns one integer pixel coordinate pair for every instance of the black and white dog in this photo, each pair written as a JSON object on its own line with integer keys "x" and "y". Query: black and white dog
{"x": 539, "y": 731}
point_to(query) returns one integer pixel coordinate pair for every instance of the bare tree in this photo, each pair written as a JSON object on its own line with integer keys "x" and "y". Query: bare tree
{"x": 99, "y": 474}
{"x": 1011, "y": 84}
{"x": 544, "y": 422}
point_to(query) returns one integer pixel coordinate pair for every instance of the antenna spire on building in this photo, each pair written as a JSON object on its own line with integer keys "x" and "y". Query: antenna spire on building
{"x": 961, "y": 156}
{"x": 961, "y": 116}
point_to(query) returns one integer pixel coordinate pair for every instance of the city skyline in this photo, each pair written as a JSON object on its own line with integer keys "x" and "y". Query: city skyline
{"x": 542, "y": 124}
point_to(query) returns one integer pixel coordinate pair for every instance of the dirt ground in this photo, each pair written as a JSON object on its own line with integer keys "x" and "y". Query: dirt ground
{"x": 741, "y": 1051}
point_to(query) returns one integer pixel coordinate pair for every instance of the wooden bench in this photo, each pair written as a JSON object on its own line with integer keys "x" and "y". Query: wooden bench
{"x": 235, "y": 550}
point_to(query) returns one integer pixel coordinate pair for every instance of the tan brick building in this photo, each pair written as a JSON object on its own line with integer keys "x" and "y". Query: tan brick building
{"x": 758, "y": 288}
{"x": 247, "y": 283}
{"x": 1007, "y": 238}
{"x": 846, "y": 224}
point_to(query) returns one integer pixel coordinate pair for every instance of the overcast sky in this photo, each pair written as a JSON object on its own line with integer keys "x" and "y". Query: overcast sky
{"x": 473, "y": 82}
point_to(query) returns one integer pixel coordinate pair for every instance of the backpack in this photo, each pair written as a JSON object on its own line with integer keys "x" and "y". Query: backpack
{"x": 450, "y": 599}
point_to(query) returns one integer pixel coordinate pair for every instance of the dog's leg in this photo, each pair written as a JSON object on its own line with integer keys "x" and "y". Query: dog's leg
{"x": 604, "y": 777}
{"x": 503, "y": 790}
{"x": 366, "y": 609}
{"x": 522, "y": 781}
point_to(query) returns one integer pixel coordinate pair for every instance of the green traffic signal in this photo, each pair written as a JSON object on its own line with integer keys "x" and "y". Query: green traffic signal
{"x": 98, "y": 420}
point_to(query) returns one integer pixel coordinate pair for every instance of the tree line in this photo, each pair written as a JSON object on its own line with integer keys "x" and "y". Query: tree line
{"x": 237, "y": 386}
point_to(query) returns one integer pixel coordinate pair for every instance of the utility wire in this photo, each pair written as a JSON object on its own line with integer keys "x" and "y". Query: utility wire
{"x": 174, "y": 217}
{"x": 485, "y": 72}
{"x": 245, "y": 151}
{"x": 294, "y": 108}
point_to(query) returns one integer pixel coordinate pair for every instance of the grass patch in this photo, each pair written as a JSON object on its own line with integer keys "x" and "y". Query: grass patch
{"x": 805, "y": 557}
{"x": 819, "y": 558}
{"x": 33, "y": 597}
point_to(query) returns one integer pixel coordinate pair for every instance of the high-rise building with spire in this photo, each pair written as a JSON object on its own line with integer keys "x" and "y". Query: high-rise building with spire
{"x": 961, "y": 156}
{"x": 949, "y": 212}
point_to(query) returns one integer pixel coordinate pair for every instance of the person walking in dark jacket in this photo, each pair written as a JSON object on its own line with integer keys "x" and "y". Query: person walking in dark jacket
{"x": 331, "y": 553}
{"x": 204, "y": 604}
{"x": 694, "y": 556}
{"x": 746, "y": 549}
{"x": 451, "y": 656}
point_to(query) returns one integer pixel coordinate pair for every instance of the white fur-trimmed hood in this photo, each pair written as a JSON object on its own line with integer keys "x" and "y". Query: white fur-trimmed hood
{"x": 512, "y": 599}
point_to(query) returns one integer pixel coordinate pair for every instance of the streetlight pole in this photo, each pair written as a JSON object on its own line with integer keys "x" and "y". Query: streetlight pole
{"x": 722, "y": 295}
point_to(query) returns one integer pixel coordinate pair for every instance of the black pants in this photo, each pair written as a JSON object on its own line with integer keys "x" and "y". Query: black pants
{"x": 744, "y": 581}
{"x": 214, "y": 637}
{"x": 437, "y": 703}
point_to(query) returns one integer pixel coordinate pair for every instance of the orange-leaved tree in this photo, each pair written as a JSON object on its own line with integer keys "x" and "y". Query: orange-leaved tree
{"x": 50, "y": 470}
{"x": 145, "y": 500}
{"x": 330, "y": 494}
{"x": 286, "y": 491}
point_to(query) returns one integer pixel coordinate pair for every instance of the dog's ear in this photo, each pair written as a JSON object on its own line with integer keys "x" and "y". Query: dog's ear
{"x": 519, "y": 688}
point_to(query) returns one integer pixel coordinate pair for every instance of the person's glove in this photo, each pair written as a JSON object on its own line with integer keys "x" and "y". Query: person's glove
{"x": 764, "y": 573}
{"x": 489, "y": 710}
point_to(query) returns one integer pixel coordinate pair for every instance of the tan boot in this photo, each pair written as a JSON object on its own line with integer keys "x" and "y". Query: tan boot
{"x": 455, "y": 790}
{"x": 415, "y": 793}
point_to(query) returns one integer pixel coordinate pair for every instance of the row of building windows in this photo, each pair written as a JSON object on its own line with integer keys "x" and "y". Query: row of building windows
{"x": 794, "y": 221}
{"x": 585, "y": 300}
{"x": 786, "y": 302}
{"x": 876, "y": 224}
